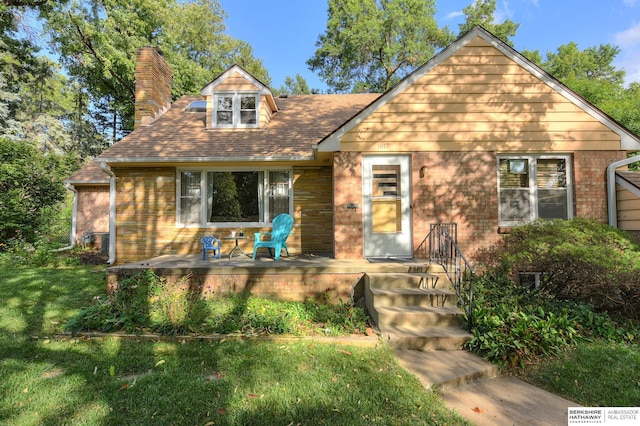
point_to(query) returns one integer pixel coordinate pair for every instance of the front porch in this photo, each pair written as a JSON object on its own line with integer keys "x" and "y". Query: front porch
{"x": 294, "y": 278}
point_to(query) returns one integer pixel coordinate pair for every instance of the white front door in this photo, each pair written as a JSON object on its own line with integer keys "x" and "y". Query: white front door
{"x": 386, "y": 206}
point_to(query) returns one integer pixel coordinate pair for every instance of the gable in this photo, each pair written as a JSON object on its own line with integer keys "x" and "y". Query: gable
{"x": 480, "y": 95}
{"x": 237, "y": 82}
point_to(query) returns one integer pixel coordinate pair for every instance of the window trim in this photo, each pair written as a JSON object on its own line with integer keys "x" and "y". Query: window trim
{"x": 235, "y": 110}
{"x": 262, "y": 196}
{"x": 533, "y": 186}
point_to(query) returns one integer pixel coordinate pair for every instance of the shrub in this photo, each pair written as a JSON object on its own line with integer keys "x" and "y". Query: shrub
{"x": 30, "y": 185}
{"x": 511, "y": 327}
{"x": 580, "y": 260}
{"x": 147, "y": 302}
{"x": 516, "y": 325}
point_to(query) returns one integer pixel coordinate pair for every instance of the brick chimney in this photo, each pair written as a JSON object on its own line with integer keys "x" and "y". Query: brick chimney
{"x": 153, "y": 86}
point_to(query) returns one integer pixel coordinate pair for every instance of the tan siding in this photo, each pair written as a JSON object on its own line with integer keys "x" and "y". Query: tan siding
{"x": 628, "y": 210}
{"x": 265, "y": 112}
{"x": 235, "y": 82}
{"x": 209, "y": 113}
{"x": 479, "y": 99}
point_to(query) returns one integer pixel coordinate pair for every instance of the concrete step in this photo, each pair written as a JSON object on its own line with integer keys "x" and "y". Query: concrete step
{"x": 408, "y": 280}
{"x": 418, "y": 316}
{"x": 445, "y": 370}
{"x": 430, "y": 297}
{"x": 432, "y": 338}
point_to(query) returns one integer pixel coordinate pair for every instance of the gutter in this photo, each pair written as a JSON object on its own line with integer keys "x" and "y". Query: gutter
{"x": 112, "y": 212}
{"x": 74, "y": 216}
{"x": 611, "y": 187}
{"x": 163, "y": 160}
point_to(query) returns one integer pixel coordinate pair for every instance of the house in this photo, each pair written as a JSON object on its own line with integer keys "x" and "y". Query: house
{"x": 478, "y": 136}
{"x": 90, "y": 220}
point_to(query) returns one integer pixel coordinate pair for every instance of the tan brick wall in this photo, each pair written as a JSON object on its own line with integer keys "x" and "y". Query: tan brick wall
{"x": 145, "y": 213}
{"x": 146, "y": 216}
{"x": 312, "y": 189}
{"x": 348, "y": 229}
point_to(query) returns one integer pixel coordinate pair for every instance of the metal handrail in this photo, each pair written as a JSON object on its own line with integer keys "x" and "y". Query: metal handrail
{"x": 444, "y": 251}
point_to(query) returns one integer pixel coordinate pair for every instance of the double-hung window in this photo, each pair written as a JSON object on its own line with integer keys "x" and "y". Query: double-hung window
{"x": 534, "y": 187}
{"x": 220, "y": 197}
{"x": 235, "y": 110}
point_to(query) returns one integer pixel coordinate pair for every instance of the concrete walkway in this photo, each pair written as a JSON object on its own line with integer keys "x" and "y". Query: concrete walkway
{"x": 473, "y": 388}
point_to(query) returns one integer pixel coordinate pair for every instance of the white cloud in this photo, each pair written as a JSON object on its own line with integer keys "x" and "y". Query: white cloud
{"x": 502, "y": 14}
{"x": 630, "y": 3}
{"x": 629, "y": 58}
{"x": 629, "y": 37}
{"x": 454, "y": 15}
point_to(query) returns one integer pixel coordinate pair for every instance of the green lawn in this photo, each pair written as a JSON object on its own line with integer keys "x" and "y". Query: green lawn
{"x": 596, "y": 374}
{"x": 48, "y": 378}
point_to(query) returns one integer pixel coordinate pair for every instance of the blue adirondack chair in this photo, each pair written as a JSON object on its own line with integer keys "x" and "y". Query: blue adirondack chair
{"x": 210, "y": 243}
{"x": 280, "y": 230}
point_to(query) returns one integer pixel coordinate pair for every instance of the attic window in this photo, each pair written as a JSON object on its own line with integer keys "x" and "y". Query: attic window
{"x": 236, "y": 110}
{"x": 197, "y": 106}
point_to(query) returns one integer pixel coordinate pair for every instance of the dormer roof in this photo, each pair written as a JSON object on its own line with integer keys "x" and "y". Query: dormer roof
{"x": 238, "y": 79}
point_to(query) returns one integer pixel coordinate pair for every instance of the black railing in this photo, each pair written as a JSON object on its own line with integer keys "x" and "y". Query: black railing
{"x": 443, "y": 250}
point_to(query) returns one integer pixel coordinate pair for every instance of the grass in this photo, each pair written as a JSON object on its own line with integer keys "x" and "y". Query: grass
{"x": 596, "y": 374}
{"x": 48, "y": 378}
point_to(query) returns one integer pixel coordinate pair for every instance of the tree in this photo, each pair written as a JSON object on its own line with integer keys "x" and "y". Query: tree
{"x": 38, "y": 100}
{"x": 591, "y": 74}
{"x": 294, "y": 86}
{"x": 369, "y": 45}
{"x": 482, "y": 12}
{"x": 97, "y": 42}
{"x": 30, "y": 183}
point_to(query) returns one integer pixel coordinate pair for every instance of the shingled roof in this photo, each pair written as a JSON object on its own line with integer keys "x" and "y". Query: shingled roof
{"x": 179, "y": 136}
{"x": 89, "y": 174}
{"x": 632, "y": 178}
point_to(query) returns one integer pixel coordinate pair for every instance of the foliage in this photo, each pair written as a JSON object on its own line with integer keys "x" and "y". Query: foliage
{"x": 95, "y": 50}
{"x": 482, "y": 13}
{"x": 225, "y": 205}
{"x": 515, "y": 325}
{"x": 370, "y": 45}
{"x": 591, "y": 74}
{"x": 147, "y": 302}
{"x": 294, "y": 86}
{"x": 29, "y": 184}
{"x": 587, "y": 268}
{"x": 580, "y": 260}
{"x": 39, "y": 105}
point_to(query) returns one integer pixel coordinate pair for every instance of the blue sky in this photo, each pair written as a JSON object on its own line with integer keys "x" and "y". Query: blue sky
{"x": 283, "y": 33}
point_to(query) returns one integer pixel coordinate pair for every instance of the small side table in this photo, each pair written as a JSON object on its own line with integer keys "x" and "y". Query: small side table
{"x": 237, "y": 250}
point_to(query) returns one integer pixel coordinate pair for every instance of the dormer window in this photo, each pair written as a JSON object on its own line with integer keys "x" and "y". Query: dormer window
{"x": 236, "y": 110}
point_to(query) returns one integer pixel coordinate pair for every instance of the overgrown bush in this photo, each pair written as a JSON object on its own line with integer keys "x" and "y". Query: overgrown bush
{"x": 516, "y": 325}
{"x": 146, "y": 302}
{"x": 30, "y": 183}
{"x": 17, "y": 251}
{"x": 579, "y": 260}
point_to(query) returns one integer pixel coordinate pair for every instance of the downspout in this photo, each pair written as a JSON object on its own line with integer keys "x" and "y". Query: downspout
{"x": 74, "y": 214}
{"x": 112, "y": 212}
{"x": 74, "y": 220}
{"x": 611, "y": 187}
